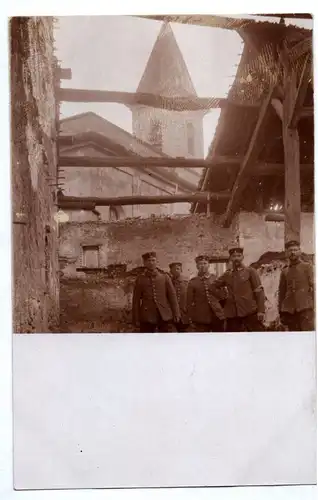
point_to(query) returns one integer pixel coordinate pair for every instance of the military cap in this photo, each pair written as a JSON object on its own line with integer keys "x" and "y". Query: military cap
{"x": 292, "y": 243}
{"x": 148, "y": 255}
{"x": 236, "y": 250}
{"x": 174, "y": 264}
{"x": 202, "y": 257}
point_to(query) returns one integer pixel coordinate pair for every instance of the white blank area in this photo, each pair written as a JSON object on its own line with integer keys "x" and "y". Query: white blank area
{"x": 98, "y": 411}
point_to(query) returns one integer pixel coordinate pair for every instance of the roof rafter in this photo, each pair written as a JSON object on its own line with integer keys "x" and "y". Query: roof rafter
{"x": 88, "y": 203}
{"x": 191, "y": 103}
{"x": 301, "y": 93}
{"x": 249, "y": 160}
{"x": 261, "y": 168}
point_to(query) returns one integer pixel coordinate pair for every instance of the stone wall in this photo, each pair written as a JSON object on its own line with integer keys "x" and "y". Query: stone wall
{"x": 33, "y": 147}
{"x": 101, "y": 300}
{"x": 123, "y": 242}
{"x": 258, "y": 236}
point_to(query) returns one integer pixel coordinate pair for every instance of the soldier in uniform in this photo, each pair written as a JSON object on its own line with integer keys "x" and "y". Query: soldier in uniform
{"x": 245, "y": 304}
{"x": 180, "y": 284}
{"x": 155, "y": 305}
{"x": 203, "y": 303}
{"x": 296, "y": 291}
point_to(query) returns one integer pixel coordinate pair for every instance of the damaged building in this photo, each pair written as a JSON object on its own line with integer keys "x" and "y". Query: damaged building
{"x": 255, "y": 187}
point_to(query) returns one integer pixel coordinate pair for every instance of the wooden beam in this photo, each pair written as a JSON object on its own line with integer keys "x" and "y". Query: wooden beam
{"x": 278, "y": 217}
{"x": 287, "y": 16}
{"x": 219, "y": 132}
{"x": 300, "y": 97}
{"x": 278, "y": 106}
{"x": 261, "y": 168}
{"x": 292, "y": 162}
{"x": 73, "y": 201}
{"x": 211, "y": 21}
{"x": 249, "y": 160}
{"x": 139, "y": 161}
{"x": 64, "y": 73}
{"x": 146, "y": 99}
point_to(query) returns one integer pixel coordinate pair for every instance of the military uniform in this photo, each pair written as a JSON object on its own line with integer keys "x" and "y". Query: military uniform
{"x": 155, "y": 303}
{"x": 181, "y": 285}
{"x": 296, "y": 296}
{"x": 203, "y": 304}
{"x": 245, "y": 299}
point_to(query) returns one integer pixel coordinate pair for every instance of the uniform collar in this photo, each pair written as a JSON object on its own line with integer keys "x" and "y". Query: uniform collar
{"x": 155, "y": 272}
{"x": 294, "y": 264}
{"x": 204, "y": 276}
{"x": 179, "y": 278}
{"x": 239, "y": 268}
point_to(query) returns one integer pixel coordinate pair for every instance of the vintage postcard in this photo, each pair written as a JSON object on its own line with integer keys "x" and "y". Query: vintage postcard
{"x": 163, "y": 187}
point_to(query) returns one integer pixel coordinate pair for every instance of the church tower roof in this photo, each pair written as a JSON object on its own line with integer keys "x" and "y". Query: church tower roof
{"x": 166, "y": 72}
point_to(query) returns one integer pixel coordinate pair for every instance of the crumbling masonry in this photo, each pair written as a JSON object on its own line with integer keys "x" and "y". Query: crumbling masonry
{"x": 34, "y": 167}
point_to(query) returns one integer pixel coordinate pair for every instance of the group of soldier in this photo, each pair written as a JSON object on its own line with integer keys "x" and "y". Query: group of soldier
{"x": 233, "y": 302}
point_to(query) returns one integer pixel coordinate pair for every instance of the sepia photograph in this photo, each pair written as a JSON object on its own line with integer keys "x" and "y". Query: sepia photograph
{"x": 164, "y": 188}
{"x": 162, "y": 182}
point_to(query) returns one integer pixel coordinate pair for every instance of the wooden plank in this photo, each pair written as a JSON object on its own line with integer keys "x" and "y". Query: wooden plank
{"x": 64, "y": 73}
{"x": 73, "y": 201}
{"x": 292, "y": 207}
{"x": 146, "y": 99}
{"x": 262, "y": 169}
{"x": 275, "y": 217}
{"x": 211, "y": 21}
{"x": 278, "y": 106}
{"x": 299, "y": 100}
{"x": 138, "y": 161}
{"x": 249, "y": 160}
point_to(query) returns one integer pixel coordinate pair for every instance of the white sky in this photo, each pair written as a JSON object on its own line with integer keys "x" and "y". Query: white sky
{"x": 110, "y": 53}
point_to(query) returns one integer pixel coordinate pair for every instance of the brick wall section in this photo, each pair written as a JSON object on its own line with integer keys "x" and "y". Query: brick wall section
{"x": 33, "y": 135}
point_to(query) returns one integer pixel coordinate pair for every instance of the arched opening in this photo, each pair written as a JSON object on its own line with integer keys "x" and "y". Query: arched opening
{"x": 155, "y": 135}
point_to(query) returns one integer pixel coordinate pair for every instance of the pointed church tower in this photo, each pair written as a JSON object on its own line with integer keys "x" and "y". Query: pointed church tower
{"x": 176, "y": 133}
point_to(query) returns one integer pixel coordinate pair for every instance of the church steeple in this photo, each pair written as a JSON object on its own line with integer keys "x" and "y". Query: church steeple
{"x": 166, "y": 72}
{"x": 175, "y": 133}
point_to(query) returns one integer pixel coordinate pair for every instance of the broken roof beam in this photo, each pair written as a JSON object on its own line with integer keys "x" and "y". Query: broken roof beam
{"x": 68, "y": 202}
{"x": 202, "y": 20}
{"x": 249, "y": 160}
{"x": 145, "y": 99}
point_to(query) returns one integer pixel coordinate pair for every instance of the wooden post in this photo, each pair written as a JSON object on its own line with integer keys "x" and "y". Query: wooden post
{"x": 292, "y": 161}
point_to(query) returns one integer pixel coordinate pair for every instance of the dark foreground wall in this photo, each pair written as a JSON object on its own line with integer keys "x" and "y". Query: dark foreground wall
{"x": 33, "y": 150}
